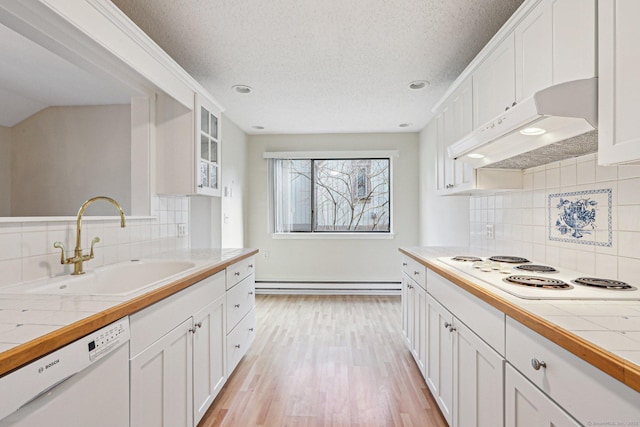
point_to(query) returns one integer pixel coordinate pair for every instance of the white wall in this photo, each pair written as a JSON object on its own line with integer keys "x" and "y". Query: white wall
{"x": 5, "y": 171}
{"x": 234, "y": 178}
{"x": 62, "y": 156}
{"x": 523, "y": 219}
{"x": 333, "y": 260}
{"x": 444, "y": 220}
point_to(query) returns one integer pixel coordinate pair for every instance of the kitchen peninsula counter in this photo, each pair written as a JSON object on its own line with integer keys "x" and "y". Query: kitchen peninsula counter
{"x": 33, "y": 325}
{"x": 613, "y": 350}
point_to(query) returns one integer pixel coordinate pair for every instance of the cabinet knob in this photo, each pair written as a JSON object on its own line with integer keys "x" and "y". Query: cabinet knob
{"x": 192, "y": 330}
{"x": 250, "y": 265}
{"x": 251, "y": 293}
{"x": 237, "y": 273}
{"x": 236, "y": 305}
{"x": 447, "y": 325}
{"x": 416, "y": 273}
{"x": 404, "y": 264}
{"x": 199, "y": 325}
{"x": 537, "y": 364}
{"x": 237, "y": 346}
{"x": 250, "y": 329}
{"x": 452, "y": 329}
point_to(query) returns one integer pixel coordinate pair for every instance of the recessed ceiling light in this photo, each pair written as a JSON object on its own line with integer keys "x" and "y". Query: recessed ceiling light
{"x": 243, "y": 89}
{"x": 475, "y": 155}
{"x": 405, "y": 125}
{"x": 418, "y": 84}
{"x": 532, "y": 131}
{"x": 258, "y": 127}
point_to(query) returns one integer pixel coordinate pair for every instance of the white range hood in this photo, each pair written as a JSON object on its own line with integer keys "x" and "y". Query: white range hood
{"x": 549, "y": 116}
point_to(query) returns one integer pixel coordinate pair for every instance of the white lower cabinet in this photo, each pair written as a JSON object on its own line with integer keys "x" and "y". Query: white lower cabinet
{"x": 180, "y": 353}
{"x": 527, "y": 406}
{"x": 414, "y": 317}
{"x": 439, "y": 373}
{"x": 161, "y": 381}
{"x": 208, "y": 356}
{"x": 478, "y": 373}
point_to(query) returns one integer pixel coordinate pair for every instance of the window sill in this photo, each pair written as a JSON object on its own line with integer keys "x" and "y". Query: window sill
{"x": 334, "y": 236}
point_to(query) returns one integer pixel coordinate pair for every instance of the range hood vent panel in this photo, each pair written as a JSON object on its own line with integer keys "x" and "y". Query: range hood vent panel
{"x": 565, "y": 111}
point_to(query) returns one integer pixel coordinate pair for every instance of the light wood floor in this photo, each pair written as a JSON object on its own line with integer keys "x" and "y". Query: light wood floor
{"x": 326, "y": 361}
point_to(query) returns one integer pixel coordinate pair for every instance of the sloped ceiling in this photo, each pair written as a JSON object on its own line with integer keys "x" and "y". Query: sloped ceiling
{"x": 327, "y": 66}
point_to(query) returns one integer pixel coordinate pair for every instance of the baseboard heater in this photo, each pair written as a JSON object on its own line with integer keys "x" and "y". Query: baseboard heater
{"x": 330, "y": 288}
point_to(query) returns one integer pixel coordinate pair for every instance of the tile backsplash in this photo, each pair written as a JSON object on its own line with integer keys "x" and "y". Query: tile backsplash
{"x": 27, "y": 252}
{"x": 573, "y": 214}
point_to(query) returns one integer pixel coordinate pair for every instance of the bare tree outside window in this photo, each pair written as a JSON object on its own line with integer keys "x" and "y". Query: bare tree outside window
{"x": 342, "y": 195}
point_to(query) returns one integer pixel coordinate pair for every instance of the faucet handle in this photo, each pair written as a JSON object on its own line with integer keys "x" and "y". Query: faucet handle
{"x": 93, "y": 242}
{"x": 59, "y": 245}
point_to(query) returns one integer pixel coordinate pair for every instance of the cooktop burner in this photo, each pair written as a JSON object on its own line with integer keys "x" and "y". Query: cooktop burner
{"x": 465, "y": 258}
{"x": 604, "y": 283}
{"x": 509, "y": 259}
{"x": 538, "y": 282}
{"x": 536, "y": 268}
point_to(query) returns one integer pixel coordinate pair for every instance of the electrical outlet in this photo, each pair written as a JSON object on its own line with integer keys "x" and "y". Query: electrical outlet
{"x": 488, "y": 233}
{"x": 182, "y": 230}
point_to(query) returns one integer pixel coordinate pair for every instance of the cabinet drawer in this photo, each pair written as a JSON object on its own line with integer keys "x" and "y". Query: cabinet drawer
{"x": 415, "y": 270}
{"x": 487, "y": 322}
{"x": 240, "y": 270}
{"x": 150, "y": 324}
{"x": 240, "y": 299}
{"x": 239, "y": 340}
{"x": 588, "y": 394}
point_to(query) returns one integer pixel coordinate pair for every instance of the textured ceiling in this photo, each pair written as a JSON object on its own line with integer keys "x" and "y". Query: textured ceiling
{"x": 320, "y": 66}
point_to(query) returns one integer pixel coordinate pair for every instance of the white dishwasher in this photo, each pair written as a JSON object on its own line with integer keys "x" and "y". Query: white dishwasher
{"x": 85, "y": 383}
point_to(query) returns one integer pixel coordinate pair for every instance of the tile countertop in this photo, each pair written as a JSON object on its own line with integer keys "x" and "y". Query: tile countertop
{"x": 603, "y": 333}
{"x": 32, "y": 325}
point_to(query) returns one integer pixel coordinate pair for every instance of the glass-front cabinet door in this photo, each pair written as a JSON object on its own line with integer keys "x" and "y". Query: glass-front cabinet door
{"x": 209, "y": 148}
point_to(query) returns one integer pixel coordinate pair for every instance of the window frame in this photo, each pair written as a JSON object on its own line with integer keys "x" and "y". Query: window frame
{"x": 332, "y": 234}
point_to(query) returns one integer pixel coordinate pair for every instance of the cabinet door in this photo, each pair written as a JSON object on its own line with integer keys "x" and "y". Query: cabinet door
{"x": 410, "y": 306}
{"x": 420, "y": 322}
{"x": 440, "y": 356}
{"x": 526, "y": 406}
{"x": 494, "y": 83}
{"x": 161, "y": 388}
{"x": 209, "y": 346}
{"x": 208, "y": 147}
{"x": 619, "y": 85}
{"x": 405, "y": 309}
{"x": 462, "y": 109}
{"x": 533, "y": 51}
{"x": 478, "y": 376}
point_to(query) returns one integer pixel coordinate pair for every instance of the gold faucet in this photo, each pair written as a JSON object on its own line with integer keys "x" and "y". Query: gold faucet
{"x": 78, "y": 257}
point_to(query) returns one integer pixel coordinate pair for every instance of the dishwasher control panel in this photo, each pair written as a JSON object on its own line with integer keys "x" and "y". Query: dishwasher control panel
{"x": 106, "y": 339}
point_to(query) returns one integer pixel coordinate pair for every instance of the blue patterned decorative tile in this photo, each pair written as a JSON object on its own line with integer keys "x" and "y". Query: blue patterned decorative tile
{"x": 574, "y": 217}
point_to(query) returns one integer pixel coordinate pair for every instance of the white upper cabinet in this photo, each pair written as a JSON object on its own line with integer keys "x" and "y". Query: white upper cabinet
{"x": 619, "y": 84}
{"x": 555, "y": 43}
{"x": 188, "y": 147}
{"x": 494, "y": 83}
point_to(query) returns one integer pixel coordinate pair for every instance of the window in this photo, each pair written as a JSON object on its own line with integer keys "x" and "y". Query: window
{"x": 331, "y": 195}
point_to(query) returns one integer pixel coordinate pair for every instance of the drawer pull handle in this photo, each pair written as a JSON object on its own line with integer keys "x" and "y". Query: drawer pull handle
{"x": 237, "y": 273}
{"x": 404, "y": 264}
{"x": 236, "y": 305}
{"x": 237, "y": 346}
{"x": 537, "y": 364}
